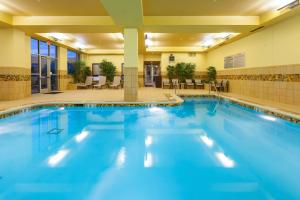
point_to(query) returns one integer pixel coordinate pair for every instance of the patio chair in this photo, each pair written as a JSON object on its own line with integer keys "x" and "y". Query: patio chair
{"x": 116, "y": 83}
{"x": 166, "y": 82}
{"x": 101, "y": 83}
{"x": 88, "y": 83}
{"x": 199, "y": 83}
{"x": 189, "y": 83}
{"x": 175, "y": 83}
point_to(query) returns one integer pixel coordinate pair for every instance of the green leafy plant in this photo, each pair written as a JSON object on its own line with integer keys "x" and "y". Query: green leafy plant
{"x": 81, "y": 71}
{"x": 171, "y": 72}
{"x": 211, "y": 74}
{"x": 108, "y": 69}
{"x": 189, "y": 71}
{"x": 180, "y": 71}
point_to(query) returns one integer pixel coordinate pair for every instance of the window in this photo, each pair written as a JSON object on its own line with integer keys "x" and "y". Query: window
{"x": 53, "y": 51}
{"x": 73, "y": 56}
{"x": 44, "y": 49}
{"x": 41, "y": 50}
{"x": 35, "y": 69}
{"x": 34, "y": 46}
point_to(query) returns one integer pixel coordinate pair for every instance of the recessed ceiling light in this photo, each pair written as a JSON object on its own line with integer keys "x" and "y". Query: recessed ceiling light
{"x": 282, "y": 4}
{"x": 3, "y": 8}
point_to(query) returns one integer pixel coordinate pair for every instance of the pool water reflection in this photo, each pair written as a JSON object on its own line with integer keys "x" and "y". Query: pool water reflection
{"x": 204, "y": 149}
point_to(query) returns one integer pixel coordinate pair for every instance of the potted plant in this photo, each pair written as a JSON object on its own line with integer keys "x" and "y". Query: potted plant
{"x": 171, "y": 72}
{"x": 108, "y": 69}
{"x": 211, "y": 75}
{"x": 180, "y": 72}
{"x": 81, "y": 71}
{"x": 189, "y": 71}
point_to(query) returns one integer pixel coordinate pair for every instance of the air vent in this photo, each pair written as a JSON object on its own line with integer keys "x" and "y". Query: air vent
{"x": 192, "y": 54}
{"x": 254, "y": 30}
{"x": 55, "y": 131}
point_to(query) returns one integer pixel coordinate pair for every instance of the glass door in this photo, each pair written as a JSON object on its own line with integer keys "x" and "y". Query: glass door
{"x": 149, "y": 75}
{"x": 45, "y": 75}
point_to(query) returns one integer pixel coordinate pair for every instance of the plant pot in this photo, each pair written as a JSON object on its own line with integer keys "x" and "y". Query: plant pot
{"x": 72, "y": 86}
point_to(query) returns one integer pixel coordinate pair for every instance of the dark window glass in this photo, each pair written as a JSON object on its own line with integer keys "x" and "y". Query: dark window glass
{"x": 44, "y": 50}
{"x": 54, "y": 82}
{"x": 34, "y": 46}
{"x": 35, "y": 84}
{"x": 53, "y": 51}
{"x": 35, "y": 64}
{"x": 53, "y": 66}
{"x": 72, "y": 58}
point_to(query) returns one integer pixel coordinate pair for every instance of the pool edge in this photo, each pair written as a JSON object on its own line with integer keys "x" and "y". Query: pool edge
{"x": 264, "y": 109}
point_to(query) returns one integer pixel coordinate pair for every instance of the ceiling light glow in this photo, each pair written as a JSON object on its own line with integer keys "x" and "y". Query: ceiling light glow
{"x": 148, "y": 161}
{"x": 3, "y": 8}
{"x": 148, "y": 141}
{"x": 208, "y": 43}
{"x": 58, "y": 157}
{"x": 225, "y": 160}
{"x": 80, "y": 137}
{"x": 120, "y": 36}
{"x": 121, "y": 158}
{"x": 224, "y": 35}
{"x": 207, "y": 141}
{"x": 58, "y": 36}
{"x": 267, "y": 117}
{"x": 148, "y": 42}
{"x": 282, "y": 4}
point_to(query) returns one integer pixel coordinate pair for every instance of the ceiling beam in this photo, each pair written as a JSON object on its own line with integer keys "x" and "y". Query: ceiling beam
{"x": 5, "y": 20}
{"x": 65, "y": 24}
{"x": 204, "y": 24}
{"x": 175, "y": 49}
{"x": 125, "y": 13}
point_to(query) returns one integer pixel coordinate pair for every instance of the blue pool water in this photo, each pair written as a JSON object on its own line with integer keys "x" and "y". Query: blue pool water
{"x": 204, "y": 149}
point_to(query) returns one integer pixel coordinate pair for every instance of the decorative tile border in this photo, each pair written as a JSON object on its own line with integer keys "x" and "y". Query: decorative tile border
{"x": 263, "y": 77}
{"x": 14, "y": 77}
{"x": 267, "y": 110}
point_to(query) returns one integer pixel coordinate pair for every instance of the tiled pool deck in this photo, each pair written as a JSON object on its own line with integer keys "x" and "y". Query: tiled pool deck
{"x": 146, "y": 96}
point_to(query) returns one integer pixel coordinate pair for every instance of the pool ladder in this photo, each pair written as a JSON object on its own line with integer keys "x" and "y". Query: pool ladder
{"x": 217, "y": 91}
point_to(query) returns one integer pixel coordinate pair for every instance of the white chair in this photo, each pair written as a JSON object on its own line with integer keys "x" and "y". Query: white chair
{"x": 116, "y": 83}
{"x": 88, "y": 83}
{"x": 101, "y": 83}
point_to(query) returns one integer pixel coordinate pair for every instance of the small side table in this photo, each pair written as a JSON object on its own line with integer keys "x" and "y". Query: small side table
{"x": 182, "y": 85}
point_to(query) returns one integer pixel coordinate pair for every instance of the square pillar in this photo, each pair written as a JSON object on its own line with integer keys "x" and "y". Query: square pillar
{"x": 15, "y": 71}
{"x": 131, "y": 61}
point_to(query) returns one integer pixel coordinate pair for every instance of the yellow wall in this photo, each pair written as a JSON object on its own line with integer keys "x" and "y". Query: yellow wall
{"x": 117, "y": 60}
{"x": 15, "y": 48}
{"x": 198, "y": 59}
{"x": 276, "y": 45}
{"x": 62, "y": 58}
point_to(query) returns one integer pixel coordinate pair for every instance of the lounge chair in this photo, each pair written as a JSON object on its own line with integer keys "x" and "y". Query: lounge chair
{"x": 88, "y": 83}
{"x": 175, "y": 83}
{"x": 199, "y": 83}
{"x": 166, "y": 82}
{"x": 189, "y": 83}
{"x": 116, "y": 83}
{"x": 101, "y": 83}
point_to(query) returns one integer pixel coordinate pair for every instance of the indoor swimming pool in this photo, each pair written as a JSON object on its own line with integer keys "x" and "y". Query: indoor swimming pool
{"x": 203, "y": 149}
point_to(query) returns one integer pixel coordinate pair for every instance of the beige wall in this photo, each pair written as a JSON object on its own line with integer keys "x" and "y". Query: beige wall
{"x": 276, "y": 45}
{"x": 117, "y": 60}
{"x": 272, "y": 63}
{"x": 197, "y": 58}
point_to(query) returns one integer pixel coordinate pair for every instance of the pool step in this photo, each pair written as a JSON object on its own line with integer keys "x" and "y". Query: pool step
{"x": 55, "y": 131}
